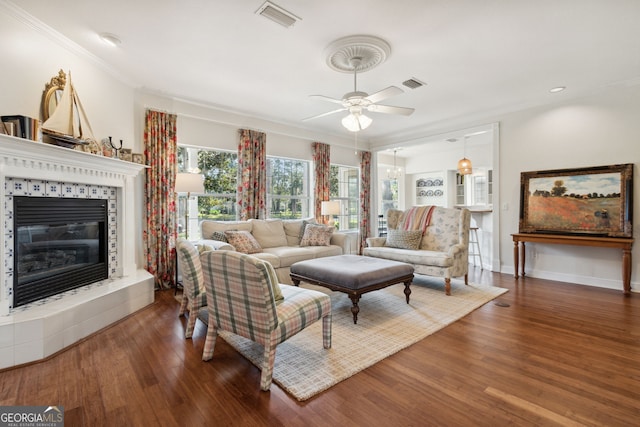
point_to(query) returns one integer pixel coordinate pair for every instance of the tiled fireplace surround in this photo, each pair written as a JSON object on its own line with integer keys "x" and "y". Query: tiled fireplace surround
{"x": 37, "y": 330}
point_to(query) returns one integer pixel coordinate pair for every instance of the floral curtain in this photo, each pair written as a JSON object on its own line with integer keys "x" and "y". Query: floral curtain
{"x": 252, "y": 175}
{"x": 322, "y": 173}
{"x": 365, "y": 198}
{"x": 160, "y": 147}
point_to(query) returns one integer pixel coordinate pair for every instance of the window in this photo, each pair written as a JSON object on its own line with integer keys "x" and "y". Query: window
{"x": 288, "y": 195}
{"x": 220, "y": 170}
{"x": 389, "y": 193}
{"x": 344, "y": 187}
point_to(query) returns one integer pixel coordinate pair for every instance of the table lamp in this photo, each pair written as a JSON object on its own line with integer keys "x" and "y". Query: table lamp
{"x": 330, "y": 209}
{"x": 188, "y": 183}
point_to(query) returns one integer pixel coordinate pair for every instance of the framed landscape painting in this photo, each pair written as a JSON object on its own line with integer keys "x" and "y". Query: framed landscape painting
{"x": 594, "y": 201}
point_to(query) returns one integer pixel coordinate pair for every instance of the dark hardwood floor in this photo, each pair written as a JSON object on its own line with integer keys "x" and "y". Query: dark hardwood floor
{"x": 558, "y": 354}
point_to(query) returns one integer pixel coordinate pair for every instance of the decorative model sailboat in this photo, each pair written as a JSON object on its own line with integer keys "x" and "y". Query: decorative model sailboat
{"x": 68, "y": 125}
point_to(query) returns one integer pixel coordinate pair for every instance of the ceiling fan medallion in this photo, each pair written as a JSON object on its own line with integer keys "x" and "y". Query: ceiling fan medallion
{"x": 355, "y": 54}
{"x": 372, "y": 51}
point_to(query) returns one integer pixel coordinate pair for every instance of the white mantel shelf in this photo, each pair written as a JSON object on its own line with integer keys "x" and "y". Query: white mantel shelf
{"x": 18, "y": 156}
{"x": 42, "y": 328}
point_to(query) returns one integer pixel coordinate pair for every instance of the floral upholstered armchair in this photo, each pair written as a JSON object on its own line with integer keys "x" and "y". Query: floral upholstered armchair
{"x": 434, "y": 240}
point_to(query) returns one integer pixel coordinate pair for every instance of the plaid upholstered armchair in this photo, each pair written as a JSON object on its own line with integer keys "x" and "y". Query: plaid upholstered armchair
{"x": 194, "y": 296}
{"x": 245, "y": 298}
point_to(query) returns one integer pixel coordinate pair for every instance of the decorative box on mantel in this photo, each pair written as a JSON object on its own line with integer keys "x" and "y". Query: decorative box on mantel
{"x": 38, "y": 329}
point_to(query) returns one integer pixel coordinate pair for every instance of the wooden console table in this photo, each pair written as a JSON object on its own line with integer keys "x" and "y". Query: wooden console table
{"x": 519, "y": 239}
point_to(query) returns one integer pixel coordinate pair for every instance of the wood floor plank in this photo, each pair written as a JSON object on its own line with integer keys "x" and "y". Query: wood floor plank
{"x": 551, "y": 354}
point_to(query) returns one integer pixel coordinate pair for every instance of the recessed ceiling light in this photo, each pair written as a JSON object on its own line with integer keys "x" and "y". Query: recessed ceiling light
{"x": 557, "y": 89}
{"x": 110, "y": 39}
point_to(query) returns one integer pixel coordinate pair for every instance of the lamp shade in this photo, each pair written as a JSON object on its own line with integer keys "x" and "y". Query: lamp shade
{"x": 330, "y": 208}
{"x": 464, "y": 166}
{"x": 356, "y": 122}
{"x": 189, "y": 183}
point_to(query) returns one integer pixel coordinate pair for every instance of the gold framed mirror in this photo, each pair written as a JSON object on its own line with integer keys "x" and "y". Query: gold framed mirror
{"x": 52, "y": 93}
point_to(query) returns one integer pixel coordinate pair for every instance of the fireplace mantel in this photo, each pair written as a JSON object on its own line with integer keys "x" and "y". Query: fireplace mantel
{"x": 43, "y": 328}
{"x": 30, "y": 159}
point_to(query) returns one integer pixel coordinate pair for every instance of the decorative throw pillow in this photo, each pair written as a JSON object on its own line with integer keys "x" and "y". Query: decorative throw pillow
{"x": 304, "y": 226}
{"x": 403, "y": 239}
{"x": 219, "y": 236}
{"x": 243, "y": 241}
{"x": 316, "y": 235}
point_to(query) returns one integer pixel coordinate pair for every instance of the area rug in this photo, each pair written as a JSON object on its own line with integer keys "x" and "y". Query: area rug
{"x": 386, "y": 325}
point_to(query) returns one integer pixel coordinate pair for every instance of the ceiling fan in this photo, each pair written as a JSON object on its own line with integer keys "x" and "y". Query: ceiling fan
{"x": 357, "y": 102}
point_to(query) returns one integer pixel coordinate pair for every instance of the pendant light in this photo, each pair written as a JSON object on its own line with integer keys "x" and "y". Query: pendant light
{"x": 395, "y": 173}
{"x": 464, "y": 164}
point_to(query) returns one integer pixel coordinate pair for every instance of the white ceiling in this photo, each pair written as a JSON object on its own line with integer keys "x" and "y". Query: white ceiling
{"x": 477, "y": 57}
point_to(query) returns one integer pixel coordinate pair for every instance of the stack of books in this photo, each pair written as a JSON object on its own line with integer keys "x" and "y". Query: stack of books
{"x": 20, "y": 126}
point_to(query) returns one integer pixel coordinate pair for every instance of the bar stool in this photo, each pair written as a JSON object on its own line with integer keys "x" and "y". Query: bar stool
{"x": 474, "y": 246}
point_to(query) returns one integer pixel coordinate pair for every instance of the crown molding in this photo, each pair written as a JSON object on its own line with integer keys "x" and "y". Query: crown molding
{"x": 58, "y": 38}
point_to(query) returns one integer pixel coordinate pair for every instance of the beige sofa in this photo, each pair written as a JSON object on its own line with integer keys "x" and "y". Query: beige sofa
{"x": 442, "y": 250}
{"x": 279, "y": 241}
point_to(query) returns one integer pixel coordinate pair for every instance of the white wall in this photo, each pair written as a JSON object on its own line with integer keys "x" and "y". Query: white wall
{"x": 601, "y": 129}
{"x": 31, "y": 58}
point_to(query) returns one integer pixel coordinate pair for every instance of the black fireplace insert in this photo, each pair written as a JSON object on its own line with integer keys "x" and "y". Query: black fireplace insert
{"x": 59, "y": 244}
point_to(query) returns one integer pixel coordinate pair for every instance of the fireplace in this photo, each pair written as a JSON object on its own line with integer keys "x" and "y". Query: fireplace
{"x": 60, "y": 244}
{"x": 55, "y": 178}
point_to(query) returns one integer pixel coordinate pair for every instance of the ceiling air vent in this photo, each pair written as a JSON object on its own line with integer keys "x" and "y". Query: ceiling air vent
{"x": 413, "y": 83}
{"x": 277, "y": 14}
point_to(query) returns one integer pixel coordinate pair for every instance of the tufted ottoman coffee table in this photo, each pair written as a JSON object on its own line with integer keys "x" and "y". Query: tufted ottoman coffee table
{"x": 353, "y": 274}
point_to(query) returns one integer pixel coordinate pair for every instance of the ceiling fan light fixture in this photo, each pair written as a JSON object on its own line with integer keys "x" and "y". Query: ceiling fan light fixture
{"x": 355, "y": 122}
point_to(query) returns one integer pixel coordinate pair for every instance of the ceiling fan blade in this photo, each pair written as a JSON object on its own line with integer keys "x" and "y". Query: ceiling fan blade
{"x": 388, "y": 109}
{"x": 326, "y": 98}
{"x": 384, "y": 94}
{"x": 324, "y": 114}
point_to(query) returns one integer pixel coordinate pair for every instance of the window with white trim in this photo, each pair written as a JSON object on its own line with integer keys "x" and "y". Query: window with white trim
{"x": 345, "y": 188}
{"x": 288, "y": 193}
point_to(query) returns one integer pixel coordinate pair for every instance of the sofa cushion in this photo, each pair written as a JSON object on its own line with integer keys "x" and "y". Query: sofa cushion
{"x": 268, "y": 232}
{"x": 208, "y": 227}
{"x": 292, "y": 231}
{"x": 419, "y": 257}
{"x": 403, "y": 239}
{"x": 271, "y": 258}
{"x": 243, "y": 241}
{"x": 287, "y": 255}
{"x": 317, "y": 235}
{"x": 322, "y": 251}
